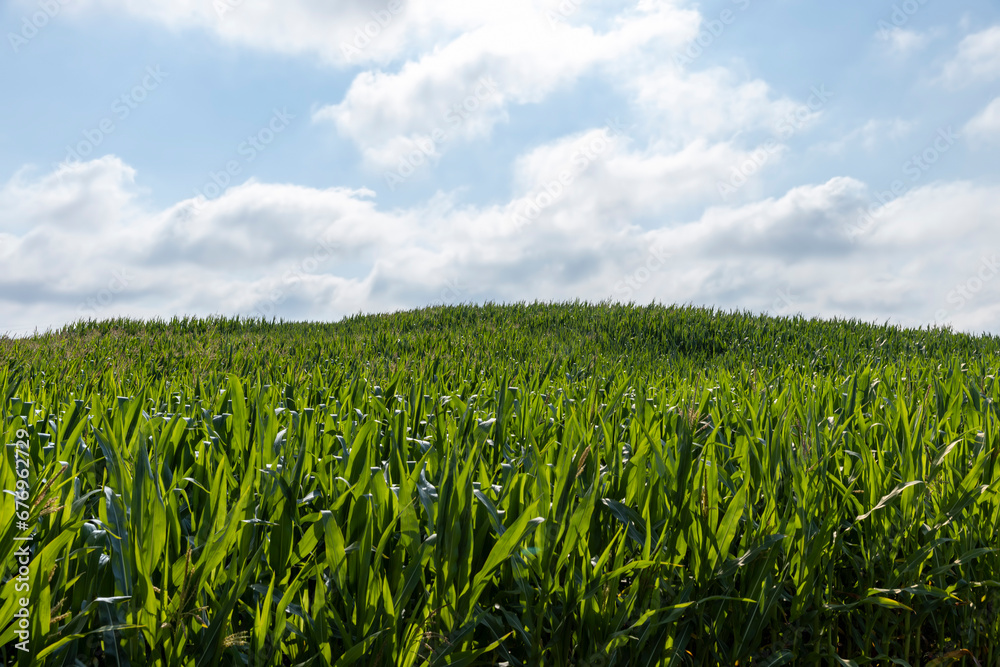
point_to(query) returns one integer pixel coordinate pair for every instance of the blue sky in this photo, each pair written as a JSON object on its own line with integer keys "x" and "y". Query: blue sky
{"x": 720, "y": 153}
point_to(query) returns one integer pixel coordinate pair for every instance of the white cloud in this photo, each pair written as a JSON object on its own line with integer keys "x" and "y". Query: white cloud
{"x": 331, "y": 31}
{"x": 75, "y": 197}
{"x": 870, "y": 135}
{"x": 901, "y": 42}
{"x": 977, "y": 59}
{"x": 390, "y": 114}
{"x": 237, "y": 254}
{"x": 441, "y": 52}
{"x": 607, "y": 181}
{"x": 591, "y": 215}
{"x": 195, "y": 256}
{"x": 365, "y": 32}
{"x": 985, "y": 127}
{"x": 713, "y": 105}
{"x": 793, "y": 254}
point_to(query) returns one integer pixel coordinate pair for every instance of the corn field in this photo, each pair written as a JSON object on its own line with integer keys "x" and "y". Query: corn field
{"x": 527, "y": 484}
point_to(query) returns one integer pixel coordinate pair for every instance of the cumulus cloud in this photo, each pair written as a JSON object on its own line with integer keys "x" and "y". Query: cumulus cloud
{"x": 902, "y": 42}
{"x": 977, "y": 59}
{"x": 388, "y": 114}
{"x": 796, "y": 254}
{"x": 629, "y": 213}
{"x": 713, "y": 104}
{"x": 446, "y": 72}
{"x": 985, "y": 127}
{"x": 347, "y": 33}
{"x": 90, "y": 251}
{"x": 340, "y": 33}
{"x": 342, "y": 252}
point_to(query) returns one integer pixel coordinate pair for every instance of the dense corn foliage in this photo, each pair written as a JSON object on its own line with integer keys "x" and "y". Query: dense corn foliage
{"x": 530, "y": 484}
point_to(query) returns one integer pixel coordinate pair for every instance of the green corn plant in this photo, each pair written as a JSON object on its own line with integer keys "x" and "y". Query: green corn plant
{"x": 578, "y": 484}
